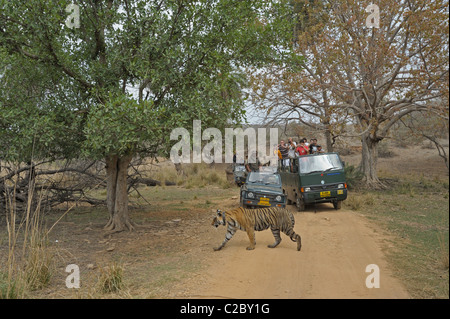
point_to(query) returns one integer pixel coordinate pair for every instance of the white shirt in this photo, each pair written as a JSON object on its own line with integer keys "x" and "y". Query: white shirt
{"x": 291, "y": 152}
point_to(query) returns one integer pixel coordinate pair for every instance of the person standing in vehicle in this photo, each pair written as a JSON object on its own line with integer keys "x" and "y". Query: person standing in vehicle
{"x": 301, "y": 149}
{"x": 313, "y": 146}
{"x": 306, "y": 146}
{"x": 284, "y": 151}
{"x": 292, "y": 146}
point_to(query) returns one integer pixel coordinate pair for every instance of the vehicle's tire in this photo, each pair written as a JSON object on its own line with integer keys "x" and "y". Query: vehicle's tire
{"x": 300, "y": 204}
{"x": 337, "y": 204}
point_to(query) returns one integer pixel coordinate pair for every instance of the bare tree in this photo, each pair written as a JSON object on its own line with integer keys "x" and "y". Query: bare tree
{"x": 433, "y": 129}
{"x": 375, "y": 75}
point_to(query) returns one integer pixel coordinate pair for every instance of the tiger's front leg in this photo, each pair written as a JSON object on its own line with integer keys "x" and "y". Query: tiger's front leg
{"x": 230, "y": 232}
{"x": 251, "y": 237}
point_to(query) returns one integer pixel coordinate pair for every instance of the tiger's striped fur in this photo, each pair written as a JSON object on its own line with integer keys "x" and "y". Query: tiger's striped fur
{"x": 249, "y": 220}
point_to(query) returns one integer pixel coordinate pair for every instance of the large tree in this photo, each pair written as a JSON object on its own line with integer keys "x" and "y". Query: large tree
{"x": 131, "y": 72}
{"x": 376, "y": 75}
{"x": 299, "y": 89}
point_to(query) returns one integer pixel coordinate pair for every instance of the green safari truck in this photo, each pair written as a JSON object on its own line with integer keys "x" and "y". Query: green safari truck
{"x": 316, "y": 178}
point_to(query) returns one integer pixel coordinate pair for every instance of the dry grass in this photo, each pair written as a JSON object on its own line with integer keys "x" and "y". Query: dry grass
{"x": 356, "y": 201}
{"x": 194, "y": 175}
{"x": 111, "y": 279}
{"x": 415, "y": 211}
{"x": 29, "y": 264}
{"x": 38, "y": 262}
{"x": 443, "y": 251}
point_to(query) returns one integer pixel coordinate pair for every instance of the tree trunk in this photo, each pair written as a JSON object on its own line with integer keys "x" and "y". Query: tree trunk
{"x": 368, "y": 164}
{"x": 111, "y": 184}
{"x": 117, "y": 194}
{"x": 329, "y": 147}
{"x": 327, "y": 125}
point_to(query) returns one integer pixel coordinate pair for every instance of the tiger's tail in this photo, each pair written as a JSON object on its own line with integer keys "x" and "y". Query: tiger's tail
{"x": 295, "y": 238}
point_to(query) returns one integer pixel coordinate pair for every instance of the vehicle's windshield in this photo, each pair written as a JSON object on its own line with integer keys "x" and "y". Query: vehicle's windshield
{"x": 319, "y": 163}
{"x": 268, "y": 179}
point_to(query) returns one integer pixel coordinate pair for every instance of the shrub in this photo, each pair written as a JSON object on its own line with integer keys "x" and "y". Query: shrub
{"x": 111, "y": 278}
{"x": 353, "y": 176}
{"x": 39, "y": 262}
{"x": 28, "y": 268}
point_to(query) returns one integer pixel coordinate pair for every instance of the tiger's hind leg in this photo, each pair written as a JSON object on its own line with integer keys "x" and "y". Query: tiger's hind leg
{"x": 294, "y": 237}
{"x": 276, "y": 234}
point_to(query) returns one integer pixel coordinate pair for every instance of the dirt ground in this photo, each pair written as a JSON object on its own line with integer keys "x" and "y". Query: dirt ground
{"x": 337, "y": 248}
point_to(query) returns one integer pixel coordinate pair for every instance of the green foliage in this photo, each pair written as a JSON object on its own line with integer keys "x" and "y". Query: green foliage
{"x": 132, "y": 71}
{"x": 36, "y": 114}
{"x": 10, "y": 288}
{"x": 120, "y": 126}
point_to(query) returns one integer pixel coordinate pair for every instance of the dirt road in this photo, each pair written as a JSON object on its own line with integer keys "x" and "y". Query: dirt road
{"x": 337, "y": 247}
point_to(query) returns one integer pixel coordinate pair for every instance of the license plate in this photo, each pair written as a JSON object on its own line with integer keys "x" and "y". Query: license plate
{"x": 325, "y": 194}
{"x": 264, "y": 201}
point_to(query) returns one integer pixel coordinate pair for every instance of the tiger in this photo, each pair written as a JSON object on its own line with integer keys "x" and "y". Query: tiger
{"x": 249, "y": 220}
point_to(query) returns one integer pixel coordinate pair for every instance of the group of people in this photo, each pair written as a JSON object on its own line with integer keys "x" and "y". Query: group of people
{"x": 291, "y": 149}
{"x": 284, "y": 151}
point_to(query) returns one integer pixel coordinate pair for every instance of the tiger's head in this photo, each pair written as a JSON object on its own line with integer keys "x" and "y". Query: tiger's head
{"x": 219, "y": 219}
